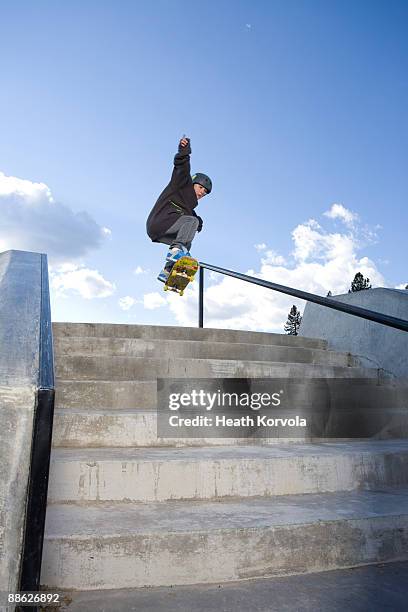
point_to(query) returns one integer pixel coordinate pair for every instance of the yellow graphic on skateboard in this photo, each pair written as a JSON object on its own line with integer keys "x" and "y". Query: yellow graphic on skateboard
{"x": 181, "y": 274}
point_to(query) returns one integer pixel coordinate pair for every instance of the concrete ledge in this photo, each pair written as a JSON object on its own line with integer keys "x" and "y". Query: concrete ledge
{"x": 17, "y": 405}
{"x": 374, "y": 344}
{"x": 20, "y": 304}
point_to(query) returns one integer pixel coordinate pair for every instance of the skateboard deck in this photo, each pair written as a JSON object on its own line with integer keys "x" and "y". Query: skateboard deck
{"x": 181, "y": 274}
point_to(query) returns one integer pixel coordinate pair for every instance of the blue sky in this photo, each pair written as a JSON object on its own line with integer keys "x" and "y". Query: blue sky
{"x": 292, "y": 107}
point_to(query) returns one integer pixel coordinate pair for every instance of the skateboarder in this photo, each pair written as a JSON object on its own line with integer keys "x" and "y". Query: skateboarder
{"x": 173, "y": 220}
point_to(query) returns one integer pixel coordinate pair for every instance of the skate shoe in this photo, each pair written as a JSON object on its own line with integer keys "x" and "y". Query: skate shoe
{"x": 165, "y": 273}
{"x": 163, "y": 276}
{"x": 175, "y": 253}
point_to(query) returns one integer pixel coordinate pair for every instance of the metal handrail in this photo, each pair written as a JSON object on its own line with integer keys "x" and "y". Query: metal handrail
{"x": 357, "y": 311}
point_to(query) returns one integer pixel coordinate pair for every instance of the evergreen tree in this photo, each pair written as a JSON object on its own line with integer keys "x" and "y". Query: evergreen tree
{"x": 329, "y": 294}
{"x": 406, "y": 286}
{"x": 293, "y": 323}
{"x": 359, "y": 283}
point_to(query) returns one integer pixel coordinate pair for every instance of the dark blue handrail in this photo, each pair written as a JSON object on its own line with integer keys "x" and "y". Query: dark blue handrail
{"x": 357, "y": 311}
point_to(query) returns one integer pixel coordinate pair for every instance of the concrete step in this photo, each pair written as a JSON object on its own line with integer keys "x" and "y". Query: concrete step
{"x": 139, "y": 368}
{"x": 363, "y": 410}
{"x": 194, "y": 349}
{"x": 374, "y": 588}
{"x": 106, "y": 394}
{"x": 81, "y": 428}
{"x": 142, "y": 394}
{"x": 150, "y": 475}
{"x": 125, "y": 545}
{"x": 163, "y": 332}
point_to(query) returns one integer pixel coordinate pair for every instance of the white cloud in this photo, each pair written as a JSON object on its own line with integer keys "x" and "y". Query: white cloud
{"x": 323, "y": 261}
{"x": 32, "y": 220}
{"x": 139, "y": 270}
{"x": 309, "y": 241}
{"x": 125, "y": 303}
{"x": 260, "y": 247}
{"x": 338, "y": 211}
{"x": 271, "y": 257}
{"x": 312, "y": 242}
{"x": 11, "y": 186}
{"x": 154, "y": 300}
{"x": 150, "y": 301}
{"x": 70, "y": 278}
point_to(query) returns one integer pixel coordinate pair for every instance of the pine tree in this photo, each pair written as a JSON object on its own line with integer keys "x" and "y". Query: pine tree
{"x": 359, "y": 283}
{"x": 329, "y": 294}
{"x": 293, "y": 323}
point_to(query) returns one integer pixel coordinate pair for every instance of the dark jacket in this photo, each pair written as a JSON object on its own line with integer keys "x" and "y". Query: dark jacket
{"x": 178, "y": 198}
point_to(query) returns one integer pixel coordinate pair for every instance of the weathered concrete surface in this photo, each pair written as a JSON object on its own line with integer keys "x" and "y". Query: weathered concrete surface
{"x": 164, "y": 332}
{"x": 146, "y": 475}
{"x": 83, "y": 428}
{"x": 195, "y": 349}
{"x": 16, "y": 424}
{"x": 81, "y": 367}
{"x": 351, "y": 406}
{"x": 375, "y": 344}
{"x": 375, "y": 588}
{"x": 128, "y": 508}
{"x": 114, "y": 395}
{"x": 20, "y": 299}
{"x": 170, "y": 543}
{"x": 142, "y": 394}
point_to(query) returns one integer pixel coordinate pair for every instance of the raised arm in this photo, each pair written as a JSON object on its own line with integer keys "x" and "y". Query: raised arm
{"x": 182, "y": 173}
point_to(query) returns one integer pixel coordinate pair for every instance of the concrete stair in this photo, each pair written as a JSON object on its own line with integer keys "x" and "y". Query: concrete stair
{"x": 144, "y": 368}
{"x": 163, "y": 332}
{"x": 127, "y": 509}
{"x": 124, "y": 545}
{"x": 374, "y": 588}
{"x": 220, "y": 473}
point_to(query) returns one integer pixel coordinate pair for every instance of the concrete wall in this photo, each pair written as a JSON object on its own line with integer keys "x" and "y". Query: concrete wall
{"x": 20, "y": 302}
{"x": 375, "y": 344}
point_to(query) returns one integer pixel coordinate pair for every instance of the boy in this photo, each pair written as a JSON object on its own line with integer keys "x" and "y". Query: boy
{"x": 173, "y": 220}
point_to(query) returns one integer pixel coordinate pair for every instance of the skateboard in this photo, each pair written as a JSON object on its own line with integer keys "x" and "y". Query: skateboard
{"x": 181, "y": 274}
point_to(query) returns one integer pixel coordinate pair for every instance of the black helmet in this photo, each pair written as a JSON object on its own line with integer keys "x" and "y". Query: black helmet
{"x": 203, "y": 180}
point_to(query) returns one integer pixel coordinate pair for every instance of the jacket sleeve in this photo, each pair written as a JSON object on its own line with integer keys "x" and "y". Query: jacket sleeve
{"x": 181, "y": 173}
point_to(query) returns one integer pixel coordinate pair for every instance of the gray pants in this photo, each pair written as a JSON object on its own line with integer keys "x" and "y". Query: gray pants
{"x": 181, "y": 233}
